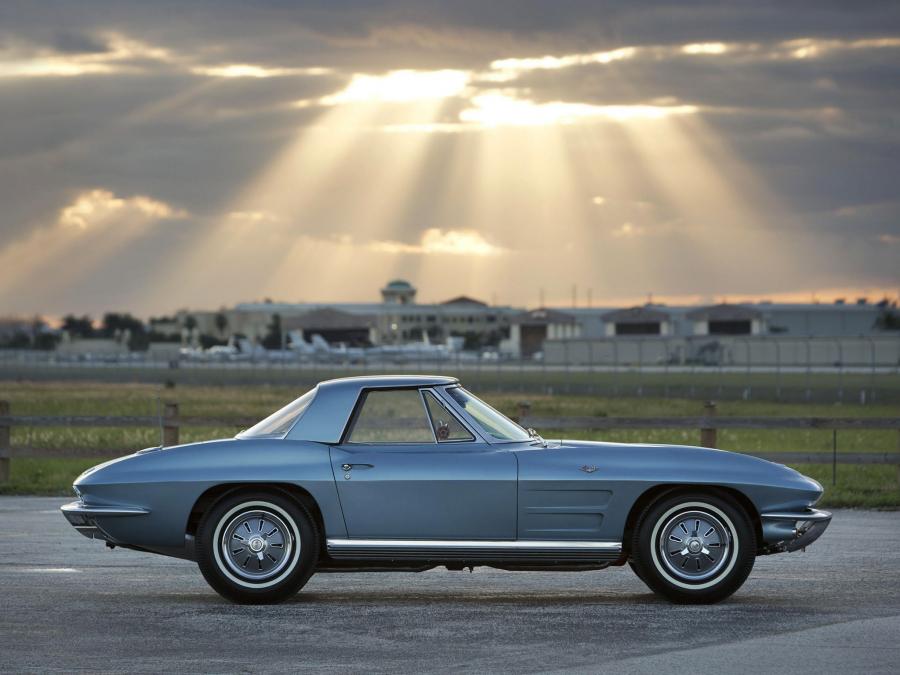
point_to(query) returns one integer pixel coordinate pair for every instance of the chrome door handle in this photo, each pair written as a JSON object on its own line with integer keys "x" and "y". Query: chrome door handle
{"x": 347, "y": 467}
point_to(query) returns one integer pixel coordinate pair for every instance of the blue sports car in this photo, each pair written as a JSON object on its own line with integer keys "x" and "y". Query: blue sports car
{"x": 405, "y": 473}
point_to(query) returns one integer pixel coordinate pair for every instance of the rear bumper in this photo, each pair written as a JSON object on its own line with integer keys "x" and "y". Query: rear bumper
{"x": 88, "y": 520}
{"x": 792, "y": 531}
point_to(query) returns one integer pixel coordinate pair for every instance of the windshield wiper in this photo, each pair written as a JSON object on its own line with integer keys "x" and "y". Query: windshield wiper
{"x": 536, "y": 436}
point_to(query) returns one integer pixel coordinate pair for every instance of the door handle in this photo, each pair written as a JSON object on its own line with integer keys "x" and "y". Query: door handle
{"x": 347, "y": 467}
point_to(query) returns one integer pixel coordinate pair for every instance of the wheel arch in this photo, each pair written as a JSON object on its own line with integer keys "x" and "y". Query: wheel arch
{"x": 656, "y": 492}
{"x": 212, "y": 495}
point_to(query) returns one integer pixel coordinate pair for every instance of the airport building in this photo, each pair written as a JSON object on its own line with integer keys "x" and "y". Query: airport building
{"x": 397, "y": 319}
{"x": 516, "y": 332}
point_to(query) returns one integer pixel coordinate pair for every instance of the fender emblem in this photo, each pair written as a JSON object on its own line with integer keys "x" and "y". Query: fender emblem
{"x": 588, "y": 469}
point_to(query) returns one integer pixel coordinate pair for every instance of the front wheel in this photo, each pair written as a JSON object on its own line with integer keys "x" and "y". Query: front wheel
{"x": 694, "y": 547}
{"x": 257, "y": 547}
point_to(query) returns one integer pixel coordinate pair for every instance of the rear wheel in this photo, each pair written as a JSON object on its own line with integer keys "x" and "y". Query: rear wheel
{"x": 693, "y": 547}
{"x": 257, "y": 547}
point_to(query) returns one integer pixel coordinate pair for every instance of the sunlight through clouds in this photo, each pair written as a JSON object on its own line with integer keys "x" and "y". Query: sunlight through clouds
{"x": 120, "y": 55}
{"x": 96, "y": 225}
{"x": 204, "y": 166}
{"x": 496, "y": 109}
{"x": 436, "y": 241}
{"x": 705, "y": 48}
{"x": 628, "y": 230}
{"x": 566, "y": 61}
{"x": 400, "y": 86}
{"x": 233, "y": 70}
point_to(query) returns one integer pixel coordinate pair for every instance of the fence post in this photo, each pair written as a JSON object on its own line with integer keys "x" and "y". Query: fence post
{"x": 708, "y": 434}
{"x": 4, "y": 444}
{"x": 170, "y": 424}
{"x": 524, "y": 410}
{"x": 834, "y": 456}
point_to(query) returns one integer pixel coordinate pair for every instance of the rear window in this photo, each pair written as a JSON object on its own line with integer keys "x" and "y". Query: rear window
{"x": 279, "y": 423}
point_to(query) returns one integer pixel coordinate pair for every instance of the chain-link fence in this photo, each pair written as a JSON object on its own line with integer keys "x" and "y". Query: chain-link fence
{"x": 744, "y": 369}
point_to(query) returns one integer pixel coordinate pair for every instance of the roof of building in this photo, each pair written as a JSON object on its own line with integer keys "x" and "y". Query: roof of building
{"x": 724, "y": 312}
{"x": 635, "y": 315}
{"x": 543, "y": 316}
{"x": 399, "y": 285}
{"x": 464, "y": 300}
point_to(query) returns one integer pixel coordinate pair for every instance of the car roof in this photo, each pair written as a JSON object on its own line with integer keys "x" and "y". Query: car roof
{"x": 328, "y": 413}
{"x": 375, "y": 381}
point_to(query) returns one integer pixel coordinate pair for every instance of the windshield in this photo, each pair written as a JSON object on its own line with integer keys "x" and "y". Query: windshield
{"x": 279, "y": 423}
{"x": 495, "y": 424}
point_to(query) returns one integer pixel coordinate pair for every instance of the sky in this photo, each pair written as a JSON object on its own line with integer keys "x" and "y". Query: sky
{"x": 165, "y": 155}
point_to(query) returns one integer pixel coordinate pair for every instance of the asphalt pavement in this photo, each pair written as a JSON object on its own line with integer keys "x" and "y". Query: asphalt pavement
{"x": 67, "y": 604}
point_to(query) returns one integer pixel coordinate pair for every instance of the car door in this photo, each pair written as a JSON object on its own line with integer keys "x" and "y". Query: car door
{"x": 409, "y": 469}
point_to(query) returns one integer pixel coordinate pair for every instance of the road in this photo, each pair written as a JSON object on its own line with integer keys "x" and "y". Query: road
{"x": 69, "y": 604}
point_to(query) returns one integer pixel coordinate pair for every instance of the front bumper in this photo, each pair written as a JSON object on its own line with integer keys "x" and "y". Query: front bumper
{"x": 88, "y": 519}
{"x": 793, "y": 530}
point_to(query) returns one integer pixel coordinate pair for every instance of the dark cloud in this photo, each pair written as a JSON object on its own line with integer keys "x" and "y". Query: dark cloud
{"x": 68, "y": 42}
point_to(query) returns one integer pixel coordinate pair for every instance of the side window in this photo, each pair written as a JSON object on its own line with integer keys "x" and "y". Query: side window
{"x": 446, "y": 427}
{"x": 393, "y": 416}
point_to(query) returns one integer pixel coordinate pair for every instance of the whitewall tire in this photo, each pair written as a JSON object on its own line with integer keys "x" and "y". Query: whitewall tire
{"x": 257, "y": 547}
{"x": 694, "y": 547}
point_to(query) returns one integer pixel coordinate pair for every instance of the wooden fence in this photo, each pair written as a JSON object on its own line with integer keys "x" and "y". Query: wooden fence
{"x": 169, "y": 422}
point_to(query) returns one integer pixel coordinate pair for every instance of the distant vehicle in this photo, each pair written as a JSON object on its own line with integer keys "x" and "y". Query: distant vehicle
{"x": 222, "y": 353}
{"x": 409, "y": 473}
{"x": 423, "y": 350}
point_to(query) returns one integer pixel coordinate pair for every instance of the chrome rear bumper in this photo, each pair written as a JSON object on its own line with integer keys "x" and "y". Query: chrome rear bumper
{"x": 786, "y": 531}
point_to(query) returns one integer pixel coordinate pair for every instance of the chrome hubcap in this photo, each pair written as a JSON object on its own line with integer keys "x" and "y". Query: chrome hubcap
{"x": 694, "y": 545}
{"x": 256, "y": 544}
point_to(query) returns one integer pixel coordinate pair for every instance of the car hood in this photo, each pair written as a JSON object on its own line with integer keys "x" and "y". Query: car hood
{"x": 697, "y": 463}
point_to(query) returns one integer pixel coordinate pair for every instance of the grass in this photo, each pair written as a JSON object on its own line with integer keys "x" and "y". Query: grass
{"x": 697, "y": 383}
{"x": 858, "y": 485}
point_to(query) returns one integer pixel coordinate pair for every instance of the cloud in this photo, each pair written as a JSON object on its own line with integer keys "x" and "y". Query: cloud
{"x": 191, "y": 114}
{"x": 102, "y": 206}
{"x": 502, "y": 109}
{"x": 803, "y": 48}
{"x": 233, "y": 70}
{"x": 400, "y": 86}
{"x": 437, "y": 241}
{"x": 514, "y": 65}
{"x": 705, "y": 48}
{"x": 253, "y": 217}
{"x": 118, "y": 54}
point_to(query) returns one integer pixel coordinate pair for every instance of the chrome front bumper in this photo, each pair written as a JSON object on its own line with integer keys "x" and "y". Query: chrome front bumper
{"x": 785, "y": 531}
{"x": 83, "y": 517}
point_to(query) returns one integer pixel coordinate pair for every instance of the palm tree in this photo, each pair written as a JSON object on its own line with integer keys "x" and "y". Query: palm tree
{"x": 221, "y": 323}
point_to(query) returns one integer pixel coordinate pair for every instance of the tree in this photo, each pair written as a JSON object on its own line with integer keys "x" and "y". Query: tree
{"x": 82, "y": 327}
{"x": 272, "y": 340}
{"x": 888, "y": 319}
{"x": 42, "y": 337}
{"x": 113, "y": 322}
{"x": 221, "y": 323}
{"x": 190, "y": 322}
